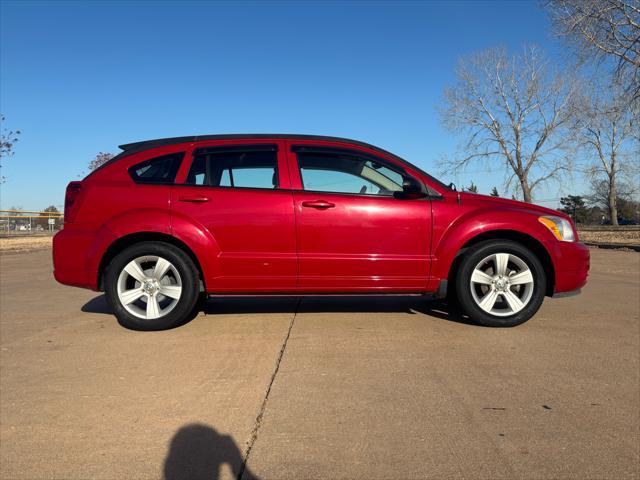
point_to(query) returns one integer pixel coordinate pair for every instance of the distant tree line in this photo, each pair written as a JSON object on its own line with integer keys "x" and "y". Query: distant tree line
{"x": 592, "y": 211}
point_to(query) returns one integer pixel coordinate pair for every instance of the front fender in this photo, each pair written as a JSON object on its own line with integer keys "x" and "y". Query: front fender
{"x": 477, "y": 222}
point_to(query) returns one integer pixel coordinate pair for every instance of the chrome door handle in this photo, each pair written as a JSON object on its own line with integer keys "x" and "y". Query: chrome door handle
{"x": 193, "y": 199}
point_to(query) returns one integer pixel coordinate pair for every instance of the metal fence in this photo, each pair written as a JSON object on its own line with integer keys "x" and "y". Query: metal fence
{"x": 30, "y": 222}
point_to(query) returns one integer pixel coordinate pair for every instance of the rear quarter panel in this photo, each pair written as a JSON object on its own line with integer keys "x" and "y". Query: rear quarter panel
{"x": 111, "y": 205}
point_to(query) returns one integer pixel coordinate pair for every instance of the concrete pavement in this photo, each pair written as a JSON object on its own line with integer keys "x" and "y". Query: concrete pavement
{"x": 319, "y": 388}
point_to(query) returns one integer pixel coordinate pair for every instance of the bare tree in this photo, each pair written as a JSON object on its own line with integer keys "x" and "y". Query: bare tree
{"x": 599, "y": 196}
{"x": 101, "y": 159}
{"x": 8, "y": 139}
{"x": 603, "y": 29}
{"x": 512, "y": 110}
{"x": 609, "y": 127}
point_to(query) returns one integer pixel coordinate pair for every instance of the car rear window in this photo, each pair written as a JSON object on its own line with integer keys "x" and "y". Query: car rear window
{"x": 235, "y": 168}
{"x": 161, "y": 170}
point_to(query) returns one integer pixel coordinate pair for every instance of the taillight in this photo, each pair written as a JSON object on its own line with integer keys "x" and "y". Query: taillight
{"x": 70, "y": 199}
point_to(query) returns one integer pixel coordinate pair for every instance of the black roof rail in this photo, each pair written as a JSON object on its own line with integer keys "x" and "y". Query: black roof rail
{"x": 160, "y": 142}
{"x": 136, "y": 147}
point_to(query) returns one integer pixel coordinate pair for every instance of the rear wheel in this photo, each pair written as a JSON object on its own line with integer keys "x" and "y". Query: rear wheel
{"x": 500, "y": 283}
{"x": 152, "y": 286}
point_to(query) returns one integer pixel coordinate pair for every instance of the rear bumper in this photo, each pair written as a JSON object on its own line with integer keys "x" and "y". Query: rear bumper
{"x": 74, "y": 257}
{"x": 571, "y": 268}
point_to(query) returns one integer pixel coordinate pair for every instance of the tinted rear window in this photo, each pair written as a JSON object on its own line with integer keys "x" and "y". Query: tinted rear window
{"x": 236, "y": 169}
{"x": 157, "y": 170}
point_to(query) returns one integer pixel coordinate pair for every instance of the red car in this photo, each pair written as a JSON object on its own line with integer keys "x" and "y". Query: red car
{"x": 168, "y": 222}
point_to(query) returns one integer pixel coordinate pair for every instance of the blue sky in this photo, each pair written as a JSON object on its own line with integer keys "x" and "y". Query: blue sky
{"x": 83, "y": 77}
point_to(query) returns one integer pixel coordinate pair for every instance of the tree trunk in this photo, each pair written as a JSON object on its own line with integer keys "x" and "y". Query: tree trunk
{"x": 613, "y": 208}
{"x": 526, "y": 190}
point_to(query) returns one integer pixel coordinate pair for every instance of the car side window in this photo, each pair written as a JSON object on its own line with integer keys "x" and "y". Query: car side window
{"x": 235, "y": 169}
{"x": 157, "y": 170}
{"x": 345, "y": 173}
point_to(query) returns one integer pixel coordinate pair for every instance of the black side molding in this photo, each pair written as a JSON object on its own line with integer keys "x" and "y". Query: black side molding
{"x": 572, "y": 293}
{"x": 442, "y": 289}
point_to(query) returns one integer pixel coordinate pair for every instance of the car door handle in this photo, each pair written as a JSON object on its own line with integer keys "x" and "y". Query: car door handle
{"x": 320, "y": 204}
{"x": 193, "y": 199}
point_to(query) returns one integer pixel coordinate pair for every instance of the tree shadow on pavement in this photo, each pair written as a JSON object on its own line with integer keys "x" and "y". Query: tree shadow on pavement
{"x": 197, "y": 452}
{"x": 319, "y": 304}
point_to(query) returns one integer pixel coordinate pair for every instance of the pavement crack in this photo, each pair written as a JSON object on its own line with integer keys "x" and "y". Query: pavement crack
{"x": 263, "y": 407}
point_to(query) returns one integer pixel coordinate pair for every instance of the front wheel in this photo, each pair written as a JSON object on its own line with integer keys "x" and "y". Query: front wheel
{"x": 152, "y": 286}
{"x": 500, "y": 283}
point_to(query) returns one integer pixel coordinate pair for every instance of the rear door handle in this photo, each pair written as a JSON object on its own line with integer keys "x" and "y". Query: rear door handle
{"x": 319, "y": 204}
{"x": 193, "y": 199}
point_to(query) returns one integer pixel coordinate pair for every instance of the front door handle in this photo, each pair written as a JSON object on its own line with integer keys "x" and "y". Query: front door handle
{"x": 193, "y": 199}
{"x": 319, "y": 204}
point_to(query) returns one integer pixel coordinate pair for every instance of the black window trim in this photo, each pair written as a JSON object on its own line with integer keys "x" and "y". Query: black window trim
{"x": 221, "y": 150}
{"x": 248, "y": 147}
{"x": 131, "y": 170}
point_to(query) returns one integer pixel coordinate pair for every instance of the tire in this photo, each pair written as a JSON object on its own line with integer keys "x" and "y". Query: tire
{"x": 145, "y": 298}
{"x": 493, "y": 299}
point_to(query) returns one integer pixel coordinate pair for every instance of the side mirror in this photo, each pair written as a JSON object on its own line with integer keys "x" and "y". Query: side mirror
{"x": 411, "y": 190}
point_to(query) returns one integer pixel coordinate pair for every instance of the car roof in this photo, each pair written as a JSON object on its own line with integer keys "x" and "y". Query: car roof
{"x": 130, "y": 148}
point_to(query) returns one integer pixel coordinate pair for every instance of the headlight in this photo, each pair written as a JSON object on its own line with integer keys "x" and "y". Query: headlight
{"x": 560, "y": 228}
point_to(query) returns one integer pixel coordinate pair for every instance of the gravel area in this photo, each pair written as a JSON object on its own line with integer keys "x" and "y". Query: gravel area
{"x": 24, "y": 244}
{"x": 620, "y": 237}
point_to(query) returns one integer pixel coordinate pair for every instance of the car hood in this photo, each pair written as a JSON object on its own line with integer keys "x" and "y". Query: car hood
{"x": 498, "y": 202}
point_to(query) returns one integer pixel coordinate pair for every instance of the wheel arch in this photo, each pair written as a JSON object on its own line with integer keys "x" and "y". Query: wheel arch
{"x": 126, "y": 241}
{"x": 524, "y": 239}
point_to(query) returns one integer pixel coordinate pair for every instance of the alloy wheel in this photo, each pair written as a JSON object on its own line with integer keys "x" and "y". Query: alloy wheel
{"x": 502, "y": 284}
{"x": 149, "y": 287}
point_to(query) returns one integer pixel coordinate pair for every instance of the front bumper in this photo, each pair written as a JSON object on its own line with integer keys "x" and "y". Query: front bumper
{"x": 571, "y": 266}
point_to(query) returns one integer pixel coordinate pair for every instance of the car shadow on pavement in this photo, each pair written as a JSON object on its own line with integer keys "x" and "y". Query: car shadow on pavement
{"x": 320, "y": 304}
{"x": 336, "y": 304}
{"x": 197, "y": 452}
{"x": 97, "y": 305}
